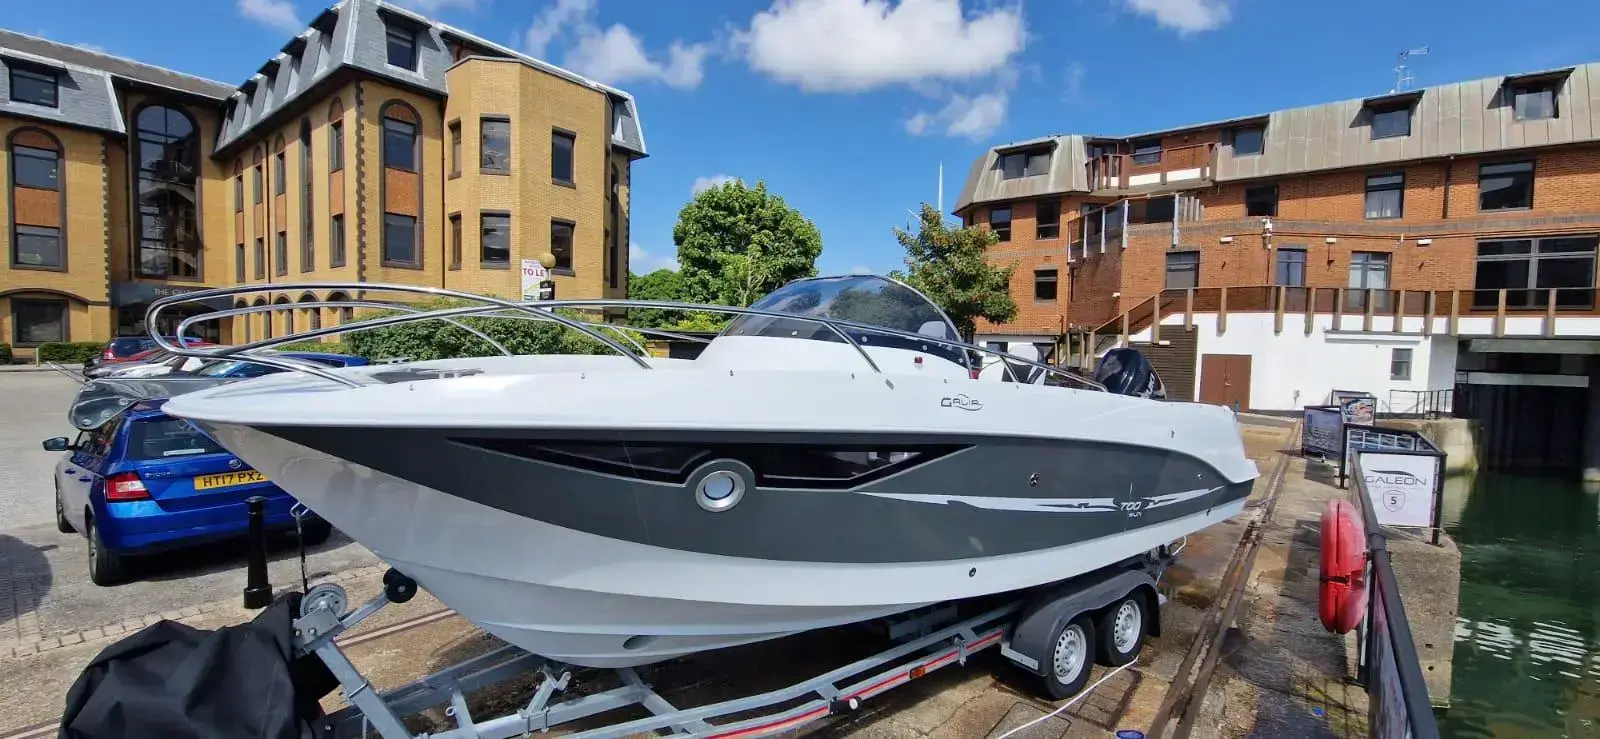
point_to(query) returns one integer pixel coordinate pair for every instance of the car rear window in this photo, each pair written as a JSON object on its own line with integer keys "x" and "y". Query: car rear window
{"x": 165, "y": 438}
{"x": 130, "y": 345}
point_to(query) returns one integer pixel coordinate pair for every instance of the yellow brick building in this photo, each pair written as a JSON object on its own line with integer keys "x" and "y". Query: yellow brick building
{"x": 375, "y": 146}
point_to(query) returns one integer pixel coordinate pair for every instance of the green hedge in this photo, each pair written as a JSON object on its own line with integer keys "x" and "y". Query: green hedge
{"x": 69, "y": 353}
{"x": 327, "y": 347}
{"x": 433, "y": 339}
{"x": 5, "y": 354}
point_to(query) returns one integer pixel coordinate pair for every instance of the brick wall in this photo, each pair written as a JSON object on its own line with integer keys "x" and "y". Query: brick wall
{"x": 1026, "y": 253}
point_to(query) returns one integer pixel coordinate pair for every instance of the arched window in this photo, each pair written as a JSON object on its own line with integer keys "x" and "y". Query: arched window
{"x": 243, "y": 319}
{"x": 402, "y": 164}
{"x": 288, "y": 314}
{"x": 346, "y": 315}
{"x": 314, "y": 315}
{"x": 266, "y": 318}
{"x": 39, "y": 202}
{"x": 335, "y": 136}
{"x": 308, "y": 244}
{"x": 168, "y": 200}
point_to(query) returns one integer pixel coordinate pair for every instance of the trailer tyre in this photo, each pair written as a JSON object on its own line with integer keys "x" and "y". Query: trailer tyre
{"x": 1071, "y": 657}
{"x": 1122, "y": 627}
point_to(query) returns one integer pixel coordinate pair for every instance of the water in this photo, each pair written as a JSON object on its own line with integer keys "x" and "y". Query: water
{"x": 1527, "y": 648}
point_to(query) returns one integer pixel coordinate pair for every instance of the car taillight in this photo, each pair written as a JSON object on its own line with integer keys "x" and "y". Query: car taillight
{"x": 125, "y": 487}
{"x": 108, "y": 354}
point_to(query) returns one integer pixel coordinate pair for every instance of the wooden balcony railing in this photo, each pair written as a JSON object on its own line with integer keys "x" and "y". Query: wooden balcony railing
{"x": 1352, "y": 309}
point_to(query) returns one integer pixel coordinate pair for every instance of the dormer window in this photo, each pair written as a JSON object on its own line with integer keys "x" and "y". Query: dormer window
{"x": 1391, "y": 122}
{"x": 402, "y": 46}
{"x": 1147, "y": 152}
{"x": 1249, "y": 141}
{"x": 34, "y": 85}
{"x": 1024, "y": 163}
{"x": 1534, "y": 102}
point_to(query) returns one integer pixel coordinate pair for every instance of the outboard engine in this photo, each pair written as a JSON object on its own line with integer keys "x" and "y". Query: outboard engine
{"x": 1126, "y": 372}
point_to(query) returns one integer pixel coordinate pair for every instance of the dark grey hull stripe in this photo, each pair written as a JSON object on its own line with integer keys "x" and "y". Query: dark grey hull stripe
{"x": 1002, "y": 496}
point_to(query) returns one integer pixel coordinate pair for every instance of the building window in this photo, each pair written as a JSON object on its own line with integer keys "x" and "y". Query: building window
{"x": 400, "y": 239}
{"x": 399, "y": 144}
{"x": 37, "y": 246}
{"x": 1507, "y": 186}
{"x": 1183, "y": 270}
{"x": 336, "y": 241}
{"x": 1527, "y": 269}
{"x": 255, "y": 183}
{"x": 1147, "y": 152}
{"x": 1048, "y": 219}
{"x": 308, "y": 239}
{"x": 280, "y": 253}
{"x": 1399, "y": 363}
{"x": 1385, "y": 195}
{"x": 1044, "y": 284}
{"x": 288, "y": 319}
{"x": 1249, "y": 141}
{"x": 1391, "y": 122}
{"x": 335, "y": 146}
{"x": 280, "y": 172}
{"x": 1000, "y": 222}
{"x": 238, "y": 263}
{"x": 261, "y": 258}
{"x": 1291, "y": 267}
{"x": 1369, "y": 271}
{"x": 35, "y": 86}
{"x": 35, "y": 167}
{"x": 402, "y": 46}
{"x": 614, "y": 230}
{"x": 1534, "y": 102}
{"x": 562, "y": 144}
{"x": 496, "y": 146}
{"x": 169, "y": 162}
{"x": 455, "y": 241}
{"x": 38, "y": 321}
{"x": 1159, "y": 210}
{"x": 1024, "y": 164}
{"x": 561, "y": 243}
{"x": 1261, "y": 200}
{"x": 238, "y": 194}
{"x": 495, "y": 238}
{"x": 455, "y": 148}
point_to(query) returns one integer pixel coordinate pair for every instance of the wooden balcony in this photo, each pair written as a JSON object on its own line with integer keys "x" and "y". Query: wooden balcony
{"x": 1178, "y": 165}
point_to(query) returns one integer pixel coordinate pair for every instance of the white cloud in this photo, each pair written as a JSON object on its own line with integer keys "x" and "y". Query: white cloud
{"x": 1184, "y": 16}
{"x": 1072, "y": 86}
{"x": 972, "y": 117}
{"x": 701, "y": 184}
{"x": 856, "y": 45}
{"x": 641, "y": 262}
{"x": 861, "y": 269}
{"x": 615, "y": 54}
{"x": 276, "y": 14}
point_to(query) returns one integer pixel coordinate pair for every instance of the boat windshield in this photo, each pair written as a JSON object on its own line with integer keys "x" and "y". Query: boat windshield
{"x": 865, "y": 299}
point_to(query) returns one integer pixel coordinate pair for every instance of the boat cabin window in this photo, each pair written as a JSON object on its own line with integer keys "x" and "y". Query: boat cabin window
{"x": 865, "y": 299}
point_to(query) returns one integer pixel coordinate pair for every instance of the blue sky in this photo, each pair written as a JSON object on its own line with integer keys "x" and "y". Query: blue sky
{"x": 847, "y": 107}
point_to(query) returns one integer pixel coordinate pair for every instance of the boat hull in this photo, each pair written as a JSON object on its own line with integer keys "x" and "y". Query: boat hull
{"x": 607, "y": 570}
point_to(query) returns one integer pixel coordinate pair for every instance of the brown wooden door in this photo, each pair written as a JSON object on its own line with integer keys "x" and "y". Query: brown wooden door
{"x": 1225, "y": 380}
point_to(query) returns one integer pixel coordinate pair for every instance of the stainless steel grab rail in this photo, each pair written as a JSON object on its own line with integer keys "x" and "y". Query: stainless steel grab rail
{"x": 531, "y": 310}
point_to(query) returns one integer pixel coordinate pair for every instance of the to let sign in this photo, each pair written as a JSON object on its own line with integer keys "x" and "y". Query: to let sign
{"x": 533, "y": 275}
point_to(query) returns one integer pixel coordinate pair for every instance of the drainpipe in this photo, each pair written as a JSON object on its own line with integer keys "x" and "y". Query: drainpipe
{"x": 1449, "y": 167}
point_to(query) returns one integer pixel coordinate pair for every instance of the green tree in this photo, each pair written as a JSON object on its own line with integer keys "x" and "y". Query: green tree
{"x": 947, "y": 265}
{"x": 435, "y": 339}
{"x": 662, "y": 284}
{"x": 737, "y": 243}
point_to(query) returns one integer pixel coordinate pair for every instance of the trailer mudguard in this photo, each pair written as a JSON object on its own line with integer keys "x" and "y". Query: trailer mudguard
{"x": 1055, "y": 605}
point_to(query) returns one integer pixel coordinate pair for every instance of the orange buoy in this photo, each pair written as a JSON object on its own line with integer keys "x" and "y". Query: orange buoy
{"x": 1342, "y": 596}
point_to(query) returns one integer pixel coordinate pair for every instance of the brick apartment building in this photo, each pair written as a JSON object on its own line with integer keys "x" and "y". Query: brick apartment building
{"x": 376, "y": 146}
{"x": 1377, "y": 219}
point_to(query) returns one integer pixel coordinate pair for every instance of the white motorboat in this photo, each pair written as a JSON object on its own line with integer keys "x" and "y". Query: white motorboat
{"x": 828, "y": 458}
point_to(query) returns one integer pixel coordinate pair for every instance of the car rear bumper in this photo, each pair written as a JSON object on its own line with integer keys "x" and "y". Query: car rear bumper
{"x": 142, "y": 526}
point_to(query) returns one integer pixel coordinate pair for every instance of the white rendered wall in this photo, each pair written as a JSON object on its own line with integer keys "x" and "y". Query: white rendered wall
{"x": 1290, "y": 370}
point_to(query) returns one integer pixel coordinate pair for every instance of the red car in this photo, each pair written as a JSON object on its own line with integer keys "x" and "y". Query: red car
{"x": 125, "y": 349}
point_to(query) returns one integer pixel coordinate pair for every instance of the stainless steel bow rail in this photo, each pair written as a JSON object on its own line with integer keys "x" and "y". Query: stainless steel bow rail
{"x": 491, "y": 307}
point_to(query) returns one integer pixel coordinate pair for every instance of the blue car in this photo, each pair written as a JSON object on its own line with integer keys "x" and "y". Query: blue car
{"x": 238, "y": 368}
{"x": 146, "y": 482}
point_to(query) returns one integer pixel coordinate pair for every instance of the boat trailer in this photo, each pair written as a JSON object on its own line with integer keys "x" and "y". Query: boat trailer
{"x": 1030, "y": 629}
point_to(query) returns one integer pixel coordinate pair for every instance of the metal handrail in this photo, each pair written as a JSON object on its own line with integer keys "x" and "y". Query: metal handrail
{"x": 535, "y": 310}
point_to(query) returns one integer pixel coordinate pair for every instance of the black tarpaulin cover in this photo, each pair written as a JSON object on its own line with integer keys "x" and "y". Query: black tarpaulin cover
{"x": 174, "y": 681}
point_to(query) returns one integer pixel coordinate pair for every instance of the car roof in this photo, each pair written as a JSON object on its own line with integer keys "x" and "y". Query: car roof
{"x": 332, "y": 356}
{"x": 147, "y": 409}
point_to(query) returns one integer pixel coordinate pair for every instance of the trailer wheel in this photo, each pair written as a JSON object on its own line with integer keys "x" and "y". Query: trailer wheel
{"x": 1122, "y": 628}
{"x": 1071, "y": 656}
